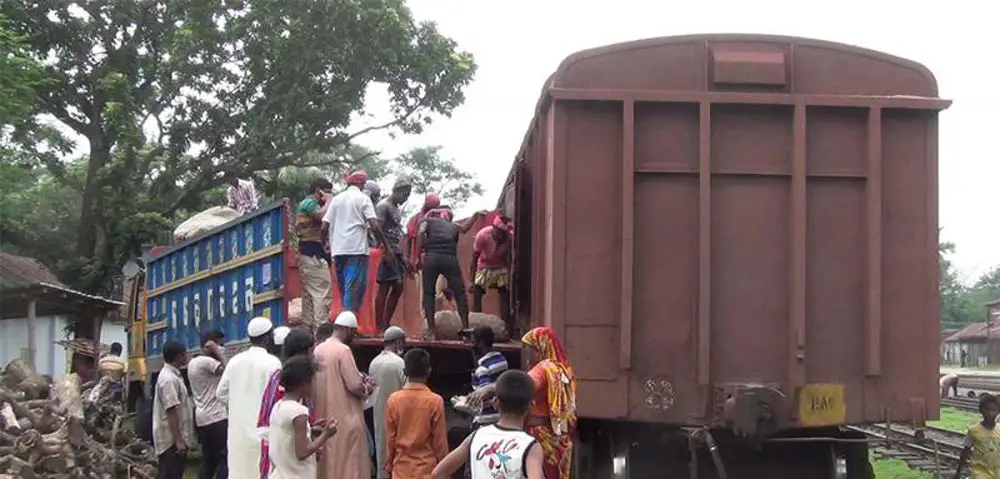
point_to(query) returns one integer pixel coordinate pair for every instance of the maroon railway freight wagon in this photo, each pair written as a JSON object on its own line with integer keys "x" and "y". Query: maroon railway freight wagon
{"x": 736, "y": 238}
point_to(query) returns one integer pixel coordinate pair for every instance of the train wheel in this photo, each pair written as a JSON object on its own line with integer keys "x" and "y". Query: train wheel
{"x": 856, "y": 463}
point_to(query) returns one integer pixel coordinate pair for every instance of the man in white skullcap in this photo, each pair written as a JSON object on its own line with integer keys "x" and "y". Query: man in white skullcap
{"x": 340, "y": 392}
{"x": 387, "y": 372}
{"x": 241, "y": 388}
{"x": 280, "y": 333}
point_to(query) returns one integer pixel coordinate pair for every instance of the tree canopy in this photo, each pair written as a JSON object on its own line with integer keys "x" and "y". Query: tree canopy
{"x": 963, "y": 303}
{"x": 169, "y": 97}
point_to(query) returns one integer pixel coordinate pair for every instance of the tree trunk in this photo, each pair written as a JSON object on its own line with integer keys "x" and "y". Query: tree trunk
{"x": 99, "y": 155}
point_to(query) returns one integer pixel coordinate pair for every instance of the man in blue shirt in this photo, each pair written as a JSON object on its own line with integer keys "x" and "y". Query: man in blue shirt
{"x": 491, "y": 364}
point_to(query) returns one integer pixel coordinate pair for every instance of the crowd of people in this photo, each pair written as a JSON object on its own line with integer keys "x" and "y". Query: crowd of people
{"x": 347, "y": 230}
{"x": 292, "y": 406}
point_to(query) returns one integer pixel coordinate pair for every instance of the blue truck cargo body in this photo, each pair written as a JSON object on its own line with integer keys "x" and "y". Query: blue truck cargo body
{"x": 219, "y": 280}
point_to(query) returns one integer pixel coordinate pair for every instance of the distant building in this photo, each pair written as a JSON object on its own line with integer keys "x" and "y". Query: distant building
{"x": 35, "y": 311}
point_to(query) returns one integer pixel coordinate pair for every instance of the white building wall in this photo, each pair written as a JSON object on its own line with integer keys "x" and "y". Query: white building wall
{"x": 114, "y": 333}
{"x": 50, "y": 358}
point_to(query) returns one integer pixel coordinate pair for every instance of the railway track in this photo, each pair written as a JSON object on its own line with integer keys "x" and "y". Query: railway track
{"x": 961, "y": 403}
{"x": 934, "y": 450}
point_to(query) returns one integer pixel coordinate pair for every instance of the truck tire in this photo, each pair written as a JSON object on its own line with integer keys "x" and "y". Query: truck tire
{"x": 144, "y": 419}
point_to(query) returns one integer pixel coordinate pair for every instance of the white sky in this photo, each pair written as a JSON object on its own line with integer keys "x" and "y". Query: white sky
{"x": 518, "y": 43}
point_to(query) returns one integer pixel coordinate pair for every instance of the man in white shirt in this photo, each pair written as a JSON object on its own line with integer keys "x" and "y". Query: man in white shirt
{"x": 349, "y": 218}
{"x": 204, "y": 373}
{"x": 240, "y": 388}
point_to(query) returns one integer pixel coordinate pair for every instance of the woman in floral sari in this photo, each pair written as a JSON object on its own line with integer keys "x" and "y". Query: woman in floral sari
{"x": 552, "y": 420}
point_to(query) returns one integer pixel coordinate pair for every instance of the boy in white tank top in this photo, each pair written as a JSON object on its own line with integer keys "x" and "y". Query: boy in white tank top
{"x": 502, "y": 450}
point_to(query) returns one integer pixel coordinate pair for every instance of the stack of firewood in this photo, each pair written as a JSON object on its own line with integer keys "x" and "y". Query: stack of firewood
{"x": 66, "y": 430}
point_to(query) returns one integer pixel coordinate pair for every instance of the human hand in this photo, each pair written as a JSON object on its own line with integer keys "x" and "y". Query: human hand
{"x": 388, "y": 257}
{"x": 181, "y": 446}
{"x": 327, "y": 196}
{"x": 213, "y": 349}
{"x": 330, "y": 427}
{"x": 480, "y": 397}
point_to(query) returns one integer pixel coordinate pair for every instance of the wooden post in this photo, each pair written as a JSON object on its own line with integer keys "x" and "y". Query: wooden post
{"x": 31, "y": 333}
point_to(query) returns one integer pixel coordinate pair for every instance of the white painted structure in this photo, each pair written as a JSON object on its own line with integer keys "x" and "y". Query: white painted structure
{"x": 49, "y": 358}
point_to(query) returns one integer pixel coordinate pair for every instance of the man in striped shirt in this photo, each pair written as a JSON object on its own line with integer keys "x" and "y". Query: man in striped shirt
{"x": 491, "y": 364}
{"x": 242, "y": 195}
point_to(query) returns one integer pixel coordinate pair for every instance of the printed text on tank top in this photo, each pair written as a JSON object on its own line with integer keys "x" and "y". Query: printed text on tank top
{"x": 498, "y": 452}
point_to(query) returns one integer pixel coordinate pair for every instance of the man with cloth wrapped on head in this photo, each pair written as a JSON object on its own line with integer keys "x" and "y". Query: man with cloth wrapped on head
{"x": 490, "y": 268}
{"x": 349, "y": 218}
{"x": 240, "y": 388}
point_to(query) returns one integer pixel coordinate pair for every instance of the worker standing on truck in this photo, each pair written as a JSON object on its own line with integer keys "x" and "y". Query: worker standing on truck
{"x": 552, "y": 419}
{"x": 413, "y": 255}
{"x": 437, "y": 240}
{"x": 204, "y": 372}
{"x": 490, "y": 268}
{"x": 982, "y": 443}
{"x": 340, "y": 392}
{"x": 391, "y": 274}
{"x": 240, "y": 388}
{"x": 314, "y": 261}
{"x": 242, "y": 195}
{"x": 387, "y": 372}
{"x": 348, "y": 219}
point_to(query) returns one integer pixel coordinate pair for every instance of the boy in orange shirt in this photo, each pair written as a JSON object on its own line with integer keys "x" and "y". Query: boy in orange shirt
{"x": 415, "y": 433}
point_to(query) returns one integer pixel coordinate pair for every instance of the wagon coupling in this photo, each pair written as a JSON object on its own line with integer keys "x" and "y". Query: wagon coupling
{"x": 704, "y": 436}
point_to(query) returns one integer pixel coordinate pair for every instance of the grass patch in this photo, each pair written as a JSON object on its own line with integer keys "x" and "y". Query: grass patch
{"x": 896, "y": 469}
{"x": 955, "y": 420}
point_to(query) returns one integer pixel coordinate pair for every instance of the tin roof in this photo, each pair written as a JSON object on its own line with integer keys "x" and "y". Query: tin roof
{"x": 21, "y": 271}
{"x": 973, "y": 331}
{"x": 23, "y": 278}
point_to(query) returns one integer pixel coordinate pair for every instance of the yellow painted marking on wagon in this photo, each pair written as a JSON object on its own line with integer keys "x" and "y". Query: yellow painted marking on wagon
{"x": 822, "y": 404}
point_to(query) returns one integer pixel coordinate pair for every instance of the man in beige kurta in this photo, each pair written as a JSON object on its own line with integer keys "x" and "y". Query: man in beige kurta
{"x": 340, "y": 393}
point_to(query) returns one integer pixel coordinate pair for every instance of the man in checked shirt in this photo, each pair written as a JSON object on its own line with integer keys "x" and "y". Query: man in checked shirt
{"x": 242, "y": 195}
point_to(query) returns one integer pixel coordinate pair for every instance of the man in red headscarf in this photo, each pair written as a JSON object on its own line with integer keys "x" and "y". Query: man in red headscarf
{"x": 431, "y": 201}
{"x": 490, "y": 268}
{"x": 348, "y": 219}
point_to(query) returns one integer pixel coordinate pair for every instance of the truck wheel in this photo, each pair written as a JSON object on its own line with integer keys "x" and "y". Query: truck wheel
{"x": 144, "y": 419}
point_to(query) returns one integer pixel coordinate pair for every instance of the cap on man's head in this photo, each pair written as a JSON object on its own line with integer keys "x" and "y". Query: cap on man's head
{"x": 259, "y": 326}
{"x": 346, "y": 319}
{"x": 392, "y": 334}
{"x": 372, "y": 188}
{"x": 280, "y": 333}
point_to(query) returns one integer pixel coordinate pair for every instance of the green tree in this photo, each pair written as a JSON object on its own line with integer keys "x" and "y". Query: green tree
{"x": 20, "y": 75}
{"x": 170, "y": 96}
{"x": 432, "y": 173}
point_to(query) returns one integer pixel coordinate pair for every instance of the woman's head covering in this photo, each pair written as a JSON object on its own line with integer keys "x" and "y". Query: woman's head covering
{"x": 357, "y": 178}
{"x": 431, "y": 201}
{"x": 559, "y": 377}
